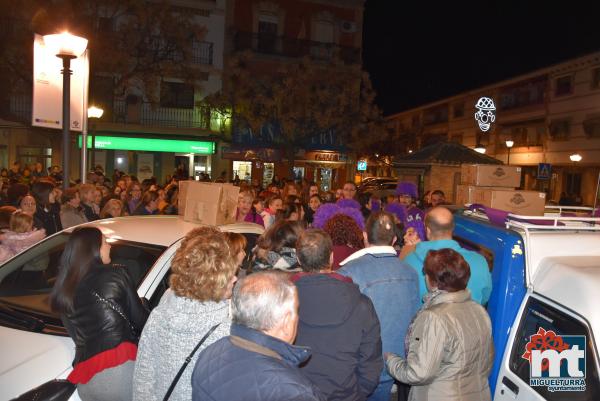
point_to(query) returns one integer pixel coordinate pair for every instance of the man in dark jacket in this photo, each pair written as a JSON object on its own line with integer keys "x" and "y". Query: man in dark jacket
{"x": 337, "y": 322}
{"x": 257, "y": 361}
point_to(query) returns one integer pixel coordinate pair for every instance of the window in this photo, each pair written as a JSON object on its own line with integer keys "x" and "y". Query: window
{"x": 596, "y": 78}
{"x": 591, "y": 127}
{"x": 573, "y": 183}
{"x": 202, "y": 52}
{"x": 28, "y": 155}
{"x": 459, "y": 110}
{"x": 176, "y": 95}
{"x": 28, "y": 278}
{"x": 560, "y": 130}
{"x": 563, "y": 85}
{"x": 480, "y": 249}
{"x": 538, "y": 314}
{"x": 267, "y": 33}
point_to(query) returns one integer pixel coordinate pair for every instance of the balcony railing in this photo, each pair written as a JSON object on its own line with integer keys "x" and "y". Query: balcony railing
{"x": 294, "y": 48}
{"x": 122, "y": 112}
{"x": 144, "y": 113}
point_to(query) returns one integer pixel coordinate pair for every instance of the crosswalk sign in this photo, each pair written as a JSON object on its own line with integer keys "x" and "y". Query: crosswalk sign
{"x": 544, "y": 171}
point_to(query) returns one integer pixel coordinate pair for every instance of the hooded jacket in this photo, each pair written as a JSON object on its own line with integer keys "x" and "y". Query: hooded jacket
{"x": 14, "y": 243}
{"x": 341, "y": 327}
{"x": 480, "y": 283}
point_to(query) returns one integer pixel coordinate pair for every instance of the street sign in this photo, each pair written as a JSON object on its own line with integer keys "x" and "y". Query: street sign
{"x": 544, "y": 171}
{"x": 362, "y": 165}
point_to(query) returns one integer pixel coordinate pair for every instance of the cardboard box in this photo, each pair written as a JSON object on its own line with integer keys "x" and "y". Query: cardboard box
{"x": 490, "y": 175}
{"x": 464, "y": 194}
{"x": 208, "y": 203}
{"x": 529, "y": 203}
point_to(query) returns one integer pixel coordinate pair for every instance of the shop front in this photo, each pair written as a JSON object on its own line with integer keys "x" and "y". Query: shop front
{"x": 328, "y": 169}
{"x": 249, "y": 164}
{"x": 147, "y": 157}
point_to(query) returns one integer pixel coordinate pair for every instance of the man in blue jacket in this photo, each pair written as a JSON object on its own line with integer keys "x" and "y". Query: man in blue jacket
{"x": 337, "y": 322}
{"x": 257, "y": 361}
{"x": 439, "y": 224}
{"x": 392, "y": 286}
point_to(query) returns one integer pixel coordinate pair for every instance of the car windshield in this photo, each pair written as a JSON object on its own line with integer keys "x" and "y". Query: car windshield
{"x": 26, "y": 280}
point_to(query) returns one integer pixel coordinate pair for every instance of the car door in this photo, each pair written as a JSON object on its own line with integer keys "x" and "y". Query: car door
{"x": 542, "y": 325}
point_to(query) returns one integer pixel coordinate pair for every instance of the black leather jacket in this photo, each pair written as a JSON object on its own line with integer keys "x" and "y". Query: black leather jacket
{"x": 93, "y": 325}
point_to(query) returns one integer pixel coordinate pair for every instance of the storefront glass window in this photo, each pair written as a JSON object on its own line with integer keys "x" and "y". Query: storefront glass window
{"x": 298, "y": 173}
{"x": 32, "y": 155}
{"x": 269, "y": 170}
{"x": 325, "y": 179}
{"x": 243, "y": 170}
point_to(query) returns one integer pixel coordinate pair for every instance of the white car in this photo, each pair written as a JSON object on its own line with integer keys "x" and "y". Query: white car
{"x": 34, "y": 345}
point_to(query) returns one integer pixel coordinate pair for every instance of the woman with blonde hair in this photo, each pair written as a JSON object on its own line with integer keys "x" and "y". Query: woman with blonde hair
{"x": 245, "y": 211}
{"x": 113, "y": 208}
{"x": 197, "y": 304}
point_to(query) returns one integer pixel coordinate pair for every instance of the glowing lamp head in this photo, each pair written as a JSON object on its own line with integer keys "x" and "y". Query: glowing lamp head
{"x": 65, "y": 44}
{"x": 576, "y": 157}
{"x": 479, "y": 148}
{"x": 509, "y": 143}
{"x": 95, "y": 112}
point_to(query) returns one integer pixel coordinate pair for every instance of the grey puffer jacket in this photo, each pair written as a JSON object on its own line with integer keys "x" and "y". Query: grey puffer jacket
{"x": 173, "y": 329}
{"x": 450, "y": 351}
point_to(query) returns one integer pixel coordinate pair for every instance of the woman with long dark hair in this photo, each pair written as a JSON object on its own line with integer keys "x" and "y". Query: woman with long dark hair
{"x": 103, "y": 315}
{"x": 47, "y": 213}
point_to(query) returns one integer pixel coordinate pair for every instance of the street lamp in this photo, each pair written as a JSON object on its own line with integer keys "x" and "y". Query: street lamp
{"x": 95, "y": 113}
{"x": 67, "y": 47}
{"x": 479, "y": 148}
{"x": 509, "y": 144}
{"x": 575, "y": 157}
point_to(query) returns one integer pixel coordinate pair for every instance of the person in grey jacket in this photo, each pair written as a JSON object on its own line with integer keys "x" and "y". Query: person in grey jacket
{"x": 71, "y": 213}
{"x": 202, "y": 279}
{"x": 449, "y": 343}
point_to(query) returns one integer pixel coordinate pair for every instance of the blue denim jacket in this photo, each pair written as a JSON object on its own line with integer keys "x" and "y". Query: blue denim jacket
{"x": 393, "y": 287}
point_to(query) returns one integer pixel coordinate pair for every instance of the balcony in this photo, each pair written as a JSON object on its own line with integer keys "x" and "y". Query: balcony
{"x": 295, "y": 48}
{"x": 122, "y": 112}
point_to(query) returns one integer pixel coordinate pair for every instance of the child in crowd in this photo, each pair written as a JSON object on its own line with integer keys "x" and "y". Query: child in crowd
{"x": 274, "y": 204}
{"x": 20, "y": 236}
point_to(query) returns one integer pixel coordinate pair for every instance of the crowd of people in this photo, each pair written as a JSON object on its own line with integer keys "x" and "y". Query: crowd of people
{"x": 343, "y": 297}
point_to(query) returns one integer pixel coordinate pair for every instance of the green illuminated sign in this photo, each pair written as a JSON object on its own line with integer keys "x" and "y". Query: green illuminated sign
{"x": 150, "y": 144}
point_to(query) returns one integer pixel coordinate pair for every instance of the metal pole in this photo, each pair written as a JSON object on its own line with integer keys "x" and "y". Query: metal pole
{"x": 93, "y": 150}
{"x": 596, "y": 194}
{"x": 66, "y": 117}
{"x": 84, "y": 155}
{"x": 508, "y": 159}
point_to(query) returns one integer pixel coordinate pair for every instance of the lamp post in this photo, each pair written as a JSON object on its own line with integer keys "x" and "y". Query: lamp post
{"x": 509, "y": 145}
{"x": 94, "y": 113}
{"x": 66, "y": 47}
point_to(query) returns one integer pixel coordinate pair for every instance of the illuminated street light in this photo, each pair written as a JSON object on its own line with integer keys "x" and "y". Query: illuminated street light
{"x": 575, "y": 157}
{"x": 67, "y": 47}
{"x": 479, "y": 148}
{"x": 95, "y": 113}
{"x": 509, "y": 144}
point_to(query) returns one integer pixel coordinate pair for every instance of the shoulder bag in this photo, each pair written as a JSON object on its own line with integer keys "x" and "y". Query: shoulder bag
{"x": 187, "y": 361}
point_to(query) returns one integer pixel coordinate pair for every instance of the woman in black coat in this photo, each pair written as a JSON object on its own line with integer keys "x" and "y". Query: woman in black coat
{"x": 47, "y": 213}
{"x": 102, "y": 313}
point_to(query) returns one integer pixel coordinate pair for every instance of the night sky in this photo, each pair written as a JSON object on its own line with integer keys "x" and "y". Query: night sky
{"x": 421, "y": 51}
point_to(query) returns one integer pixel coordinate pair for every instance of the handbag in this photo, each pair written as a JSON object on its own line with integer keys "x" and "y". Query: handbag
{"x": 187, "y": 361}
{"x": 54, "y": 390}
{"x": 117, "y": 308}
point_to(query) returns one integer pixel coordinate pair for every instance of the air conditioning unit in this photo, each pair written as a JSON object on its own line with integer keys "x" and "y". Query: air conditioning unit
{"x": 348, "y": 26}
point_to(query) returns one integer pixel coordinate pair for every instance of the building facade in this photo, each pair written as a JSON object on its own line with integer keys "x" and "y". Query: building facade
{"x": 183, "y": 133}
{"x": 550, "y": 115}
{"x": 276, "y": 32}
